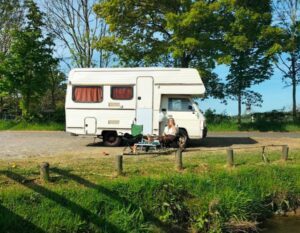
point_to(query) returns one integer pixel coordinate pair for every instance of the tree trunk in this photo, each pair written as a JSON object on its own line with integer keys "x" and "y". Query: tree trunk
{"x": 239, "y": 109}
{"x": 185, "y": 61}
{"x": 88, "y": 49}
{"x": 294, "y": 86}
{"x": 1, "y": 107}
{"x": 26, "y": 106}
{"x": 53, "y": 99}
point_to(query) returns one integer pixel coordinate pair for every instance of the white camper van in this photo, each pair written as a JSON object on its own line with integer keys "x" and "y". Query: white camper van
{"x": 106, "y": 102}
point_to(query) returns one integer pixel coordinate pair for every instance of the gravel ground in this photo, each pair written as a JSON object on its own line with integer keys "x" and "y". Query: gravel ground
{"x": 34, "y": 144}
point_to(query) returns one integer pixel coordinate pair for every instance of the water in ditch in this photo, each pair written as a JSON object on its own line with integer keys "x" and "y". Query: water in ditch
{"x": 282, "y": 225}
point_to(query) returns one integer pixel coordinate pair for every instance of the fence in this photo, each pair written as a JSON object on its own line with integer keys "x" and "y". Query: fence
{"x": 178, "y": 162}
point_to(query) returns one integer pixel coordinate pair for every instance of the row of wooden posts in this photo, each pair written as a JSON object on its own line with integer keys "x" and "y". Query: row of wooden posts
{"x": 44, "y": 167}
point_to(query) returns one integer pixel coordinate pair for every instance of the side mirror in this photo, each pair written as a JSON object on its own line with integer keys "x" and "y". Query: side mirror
{"x": 191, "y": 108}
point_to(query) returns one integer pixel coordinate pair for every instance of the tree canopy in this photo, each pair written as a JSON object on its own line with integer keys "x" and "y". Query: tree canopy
{"x": 170, "y": 33}
{"x": 197, "y": 34}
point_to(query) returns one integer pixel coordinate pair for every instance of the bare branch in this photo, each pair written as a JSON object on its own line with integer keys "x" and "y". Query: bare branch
{"x": 74, "y": 23}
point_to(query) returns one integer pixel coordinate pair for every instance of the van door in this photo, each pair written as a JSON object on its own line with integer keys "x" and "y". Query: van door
{"x": 144, "y": 105}
{"x": 185, "y": 115}
{"x": 90, "y": 125}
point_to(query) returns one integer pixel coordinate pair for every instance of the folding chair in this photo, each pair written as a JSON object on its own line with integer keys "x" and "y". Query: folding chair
{"x": 135, "y": 136}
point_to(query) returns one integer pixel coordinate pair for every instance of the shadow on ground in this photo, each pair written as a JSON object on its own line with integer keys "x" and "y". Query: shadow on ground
{"x": 83, "y": 213}
{"x": 222, "y": 141}
{"x": 95, "y": 144}
{"x": 11, "y": 222}
{"x": 16, "y": 222}
{"x": 207, "y": 142}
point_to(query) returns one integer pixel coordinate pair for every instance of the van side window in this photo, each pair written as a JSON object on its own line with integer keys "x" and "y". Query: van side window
{"x": 87, "y": 94}
{"x": 179, "y": 104}
{"x": 121, "y": 92}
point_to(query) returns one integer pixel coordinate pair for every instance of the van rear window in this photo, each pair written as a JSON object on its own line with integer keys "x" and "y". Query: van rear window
{"x": 87, "y": 94}
{"x": 121, "y": 93}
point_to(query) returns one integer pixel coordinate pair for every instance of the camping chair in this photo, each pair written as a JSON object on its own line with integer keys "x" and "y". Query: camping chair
{"x": 135, "y": 136}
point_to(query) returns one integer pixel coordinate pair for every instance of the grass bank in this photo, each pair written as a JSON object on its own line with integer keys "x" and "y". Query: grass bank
{"x": 85, "y": 196}
{"x": 16, "y": 125}
{"x": 224, "y": 126}
{"x": 256, "y": 126}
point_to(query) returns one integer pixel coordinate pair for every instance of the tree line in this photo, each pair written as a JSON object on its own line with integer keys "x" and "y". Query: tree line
{"x": 40, "y": 39}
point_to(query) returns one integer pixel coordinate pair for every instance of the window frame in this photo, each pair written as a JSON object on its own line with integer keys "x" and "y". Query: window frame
{"x": 120, "y": 86}
{"x": 87, "y": 86}
{"x": 172, "y": 110}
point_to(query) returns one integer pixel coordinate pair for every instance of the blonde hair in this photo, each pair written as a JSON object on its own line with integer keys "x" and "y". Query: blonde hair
{"x": 172, "y": 120}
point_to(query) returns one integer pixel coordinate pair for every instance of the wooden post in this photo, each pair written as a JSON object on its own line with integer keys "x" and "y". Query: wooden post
{"x": 178, "y": 159}
{"x": 119, "y": 165}
{"x": 264, "y": 157}
{"x": 230, "y": 160}
{"x": 285, "y": 153}
{"x": 44, "y": 172}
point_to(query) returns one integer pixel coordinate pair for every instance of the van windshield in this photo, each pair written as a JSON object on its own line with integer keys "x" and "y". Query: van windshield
{"x": 179, "y": 104}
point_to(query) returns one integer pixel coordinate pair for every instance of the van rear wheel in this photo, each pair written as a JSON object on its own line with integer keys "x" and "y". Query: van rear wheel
{"x": 112, "y": 139}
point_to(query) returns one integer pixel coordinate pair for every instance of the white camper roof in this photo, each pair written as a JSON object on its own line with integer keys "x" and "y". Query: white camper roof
{"x": 128, "y": 76}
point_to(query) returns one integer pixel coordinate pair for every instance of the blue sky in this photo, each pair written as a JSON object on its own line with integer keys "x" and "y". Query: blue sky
{"x": 275, "y": 95}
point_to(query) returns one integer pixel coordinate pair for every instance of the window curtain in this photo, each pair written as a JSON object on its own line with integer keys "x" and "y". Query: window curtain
{"x": 122, "y": 93}
{"x": 88, "y": 94}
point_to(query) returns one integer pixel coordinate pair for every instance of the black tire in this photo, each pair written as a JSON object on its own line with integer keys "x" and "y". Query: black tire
{"x": 111, "y": 139}
{"x": 182, "y": 139}
{"x": 205, "y": 132}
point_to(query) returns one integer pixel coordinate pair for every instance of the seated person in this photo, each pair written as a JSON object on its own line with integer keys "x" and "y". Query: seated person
{"x": 170, "y": 132}
{"x": 168, "y": 136}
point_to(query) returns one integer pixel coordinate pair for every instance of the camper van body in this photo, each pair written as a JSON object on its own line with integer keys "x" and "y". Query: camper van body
{"x": 151, "y": 96}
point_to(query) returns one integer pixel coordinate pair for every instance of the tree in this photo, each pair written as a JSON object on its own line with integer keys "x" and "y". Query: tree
{"x": 76, "y": 26}
{"x": 165, "y": 32}
{"x": 249, "y": 50}
{"x": 56, "y": 88}
{"x": 53, "y": 100}
{"x": 287, "y": 18}
{"x": 29, "y": 61}
{"x": 11, "y": 13}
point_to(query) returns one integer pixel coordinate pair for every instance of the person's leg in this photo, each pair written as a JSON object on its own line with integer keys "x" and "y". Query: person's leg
{"x": 160, "y": 139}
{"x": 134, "y": 148}
{"x": 169, "y": 138}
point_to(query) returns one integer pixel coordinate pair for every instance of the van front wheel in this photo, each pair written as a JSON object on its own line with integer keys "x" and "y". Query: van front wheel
{"x": 182, "y": 139}
{"x": 111, "y": 139}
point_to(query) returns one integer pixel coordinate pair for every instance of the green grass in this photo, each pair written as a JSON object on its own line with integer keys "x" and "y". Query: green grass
{"x": 223, "y": 126}
{"x": 85, "y": 196}
{"x": 14, "y": 125}
{"x": 256, "y": 126}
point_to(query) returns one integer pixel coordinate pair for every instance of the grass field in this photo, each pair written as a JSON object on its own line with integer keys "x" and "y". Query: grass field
{"x": 258, "y": 126}
{"x": 14, "y": 125}
{"x": 212, "y": 127}
{"x": 84, "y": 194}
